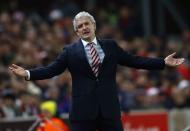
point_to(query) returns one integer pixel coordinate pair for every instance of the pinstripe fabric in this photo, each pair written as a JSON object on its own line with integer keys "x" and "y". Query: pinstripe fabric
{"x": 95, "y": 59}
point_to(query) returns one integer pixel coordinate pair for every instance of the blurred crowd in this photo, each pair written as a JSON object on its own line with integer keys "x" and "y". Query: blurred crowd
{"x": 33, "y": 40}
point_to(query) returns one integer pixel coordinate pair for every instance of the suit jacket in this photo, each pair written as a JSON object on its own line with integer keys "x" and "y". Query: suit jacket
{"x": 93, "y": 95}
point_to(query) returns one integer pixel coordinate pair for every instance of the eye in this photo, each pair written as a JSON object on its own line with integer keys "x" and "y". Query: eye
{"x": 79, "y": 26}
{"x": 86, "y": 23}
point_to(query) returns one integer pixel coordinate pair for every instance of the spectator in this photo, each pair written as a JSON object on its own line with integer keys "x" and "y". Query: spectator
{"x": 49, "y": 121}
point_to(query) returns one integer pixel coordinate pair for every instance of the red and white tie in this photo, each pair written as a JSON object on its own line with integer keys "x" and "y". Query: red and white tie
{"x": 95, "y": 59}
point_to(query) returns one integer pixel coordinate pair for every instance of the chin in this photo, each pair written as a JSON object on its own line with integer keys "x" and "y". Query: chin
{"x": 86, "y": 38}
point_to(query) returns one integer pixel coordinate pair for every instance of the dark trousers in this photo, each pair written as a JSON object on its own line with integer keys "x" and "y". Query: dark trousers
{"x": 94, "y": 125}
{"x": 98, "y": 124}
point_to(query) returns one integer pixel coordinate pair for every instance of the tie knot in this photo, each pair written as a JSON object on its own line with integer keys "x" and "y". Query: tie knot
{"x": 91, "y": 43}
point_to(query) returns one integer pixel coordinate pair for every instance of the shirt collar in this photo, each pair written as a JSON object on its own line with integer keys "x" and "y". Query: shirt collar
{"x": 85, "y": 43}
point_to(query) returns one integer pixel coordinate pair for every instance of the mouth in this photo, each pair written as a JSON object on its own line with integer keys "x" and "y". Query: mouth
{"x": 86, "y": 33}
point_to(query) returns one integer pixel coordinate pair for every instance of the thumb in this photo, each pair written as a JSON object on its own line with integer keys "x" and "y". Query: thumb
{"x": 172, "y": 55}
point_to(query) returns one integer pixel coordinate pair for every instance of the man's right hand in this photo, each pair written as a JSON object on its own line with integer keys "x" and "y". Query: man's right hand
{"x": 17, "y": 70}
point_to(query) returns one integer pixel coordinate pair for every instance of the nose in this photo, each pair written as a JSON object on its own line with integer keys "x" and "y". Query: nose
{"x": 84, "y": 26}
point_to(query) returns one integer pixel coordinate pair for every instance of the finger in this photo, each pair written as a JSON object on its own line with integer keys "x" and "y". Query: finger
{"x": 183, "y": 59}
{"x": 180, "y": 61}
{"x": 171, "y": 55}
{"x": 10, "y": 68}
{"x": 14, "y": 66}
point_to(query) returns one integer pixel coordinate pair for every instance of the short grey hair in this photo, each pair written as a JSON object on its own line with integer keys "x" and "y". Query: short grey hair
{"x": 81, "y": 14}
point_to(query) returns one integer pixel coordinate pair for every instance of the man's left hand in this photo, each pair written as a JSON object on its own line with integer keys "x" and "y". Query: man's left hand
{"x": 171, "y": 61}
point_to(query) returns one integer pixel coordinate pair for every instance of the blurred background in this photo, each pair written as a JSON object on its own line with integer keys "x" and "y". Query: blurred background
{"x": 34, "y": 32}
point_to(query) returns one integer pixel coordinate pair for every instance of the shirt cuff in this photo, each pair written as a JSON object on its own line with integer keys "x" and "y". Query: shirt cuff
{"x": 28, "y": 75}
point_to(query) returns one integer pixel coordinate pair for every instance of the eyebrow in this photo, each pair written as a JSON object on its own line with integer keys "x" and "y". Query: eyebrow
{"x": 86, "y": 23}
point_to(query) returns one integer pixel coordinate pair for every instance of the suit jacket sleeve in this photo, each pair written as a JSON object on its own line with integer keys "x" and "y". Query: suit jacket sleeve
{"x": 127, "y": 59}
{"x": 55, "y": 68}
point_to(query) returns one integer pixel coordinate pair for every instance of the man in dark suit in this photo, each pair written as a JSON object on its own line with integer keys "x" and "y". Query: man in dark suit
{"x": 92, "y": 63}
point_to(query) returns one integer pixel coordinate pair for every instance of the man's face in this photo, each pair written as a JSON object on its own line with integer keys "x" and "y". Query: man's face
{"x": 85, "y": 28}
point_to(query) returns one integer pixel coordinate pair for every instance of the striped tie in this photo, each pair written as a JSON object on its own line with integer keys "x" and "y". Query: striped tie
{"x": 95, "y": 59}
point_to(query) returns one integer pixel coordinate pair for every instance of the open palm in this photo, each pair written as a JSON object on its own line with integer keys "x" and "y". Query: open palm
{"x": 171, "y": 61}
{"x": 17, "y": 70}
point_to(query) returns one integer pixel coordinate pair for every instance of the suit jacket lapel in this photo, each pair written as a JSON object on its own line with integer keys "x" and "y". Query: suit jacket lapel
{"x": 103, "y": 46}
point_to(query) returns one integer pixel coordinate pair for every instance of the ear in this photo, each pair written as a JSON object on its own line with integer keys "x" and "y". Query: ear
{"x": 77, "y": 32}
{"x": 95, "y": 26}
